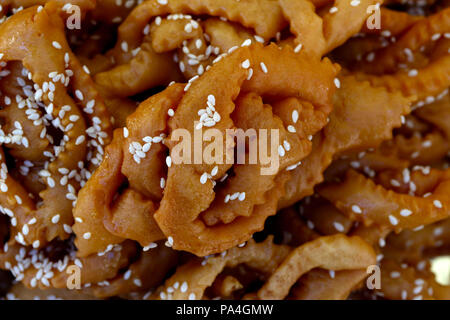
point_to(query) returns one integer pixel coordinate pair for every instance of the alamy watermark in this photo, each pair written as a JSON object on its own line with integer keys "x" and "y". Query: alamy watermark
{"x": 236, "y": 146}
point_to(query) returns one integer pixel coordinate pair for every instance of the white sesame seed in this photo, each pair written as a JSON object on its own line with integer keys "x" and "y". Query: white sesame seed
{"x": 86, "y": 69}
{"x": 79, "y": 94}
{"x": 437, "y": 204}
{"x": 356, "y": 209}
{"x": 124, "y": 46}
{"x": 435, "y": 36}
{"x": 337, "y": 83}
{"x": 393, "y": 220}
{"x": 264, "y": 67}
{"x": 56, "y": 45}
{"x": 405, "y": 212}
{"x": 338, "y": 226}
{"x": 203, "y": 178}
{"x": 413, "y": 73}
{"x": 246, "y": 64}
{"x": 295, "y": 116}
{"x": 80, "y": 140}
{"x": 25, "y": 229}
{"x": 333, "y": 10}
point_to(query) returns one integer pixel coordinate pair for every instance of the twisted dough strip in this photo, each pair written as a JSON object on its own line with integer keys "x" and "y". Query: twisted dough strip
{"x": 384, "y": 207}
{"x": 419, "y": 34}
{"x": 431, "y": 80}
{"x": 347, "y": 130}
{"x": 136, "y": 57}
{"x": 263, "y": 16}
{"x": 25, "y": 36}
{"x": 174, "y": 215}
{"x": 421, "y": 141}
{"x": 318, "y": 285}
{"x": 337, "y": 252}
{"x": 193, "y": 278}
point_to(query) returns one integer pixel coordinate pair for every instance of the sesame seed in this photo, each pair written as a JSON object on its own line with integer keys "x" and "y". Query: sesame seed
{"x": 56, "y": 45}
{"x": 291, "y": 128}
{"x": 86, "y": 69}
{"x": 169, "y": 161}
{"x": 393, "y": 220}
{"x": 437, "y": 204}
{"x": 435, "y": 36}
{"x": 405, "y": 212}
{"x": 250, "y": 74}
{"x": 67, "y": 228}
{"x": 263, "y": 67}
{"x": 337, "y": 83}
{"x": 356, "y": 209}
{"x": 298, "y": 48}
{"x": 246, "y": 64}
{"x": 87, "y": 235}
{"x": 80, "y": 140}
